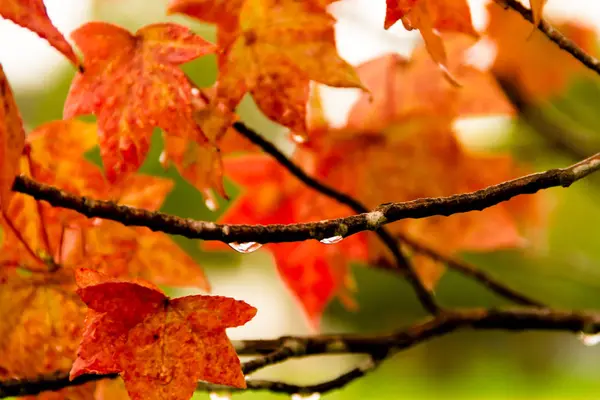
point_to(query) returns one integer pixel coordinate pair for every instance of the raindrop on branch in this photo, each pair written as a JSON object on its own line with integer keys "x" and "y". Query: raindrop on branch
{"x": 312, "y": 396}
{"x": 246, "y": 247}
{"x": 589, "y": 339}
{"x": 298, "y": 138}
{"x": 219, "y": 396}
{"x": 332, "y": 240}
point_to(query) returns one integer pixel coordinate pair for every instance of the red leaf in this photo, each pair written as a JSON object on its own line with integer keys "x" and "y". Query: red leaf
{"x": 132, "y": 84}
{"x": 314, "y": 272}
{"x": 160, "y": 346}
{"x": 12, "y": 140}
{"x": 32, "y": 15}
{"x": 272, "y": 56}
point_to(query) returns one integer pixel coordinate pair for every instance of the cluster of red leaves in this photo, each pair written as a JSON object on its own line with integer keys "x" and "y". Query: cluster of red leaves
{"x": 398, "y": 144}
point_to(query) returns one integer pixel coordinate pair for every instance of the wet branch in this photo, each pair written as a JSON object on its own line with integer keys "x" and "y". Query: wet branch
{"x": 387, "y": 238}
{"x": 425, "y": 296}
{"x": 318, "y": 230}
{"x": 377, "y": 347}
{"x": 474, "y": 273}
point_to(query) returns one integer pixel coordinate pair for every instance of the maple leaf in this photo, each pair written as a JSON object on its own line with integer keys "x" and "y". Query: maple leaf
{"x": 40, "y": 237}
{"x": 160, "y": 346}
{"x": 431, "y": 17}
{"x": 537, "y": 8}
{"x": 12, "y": 140}
{"x": 42, "y": 321}
{"x": 530, "y": 59}
{"x": 272, "y": 49}
{"x": 404, "y": 89}
{"x": 314, "y": 272}
{"x": 31, "y": 14}
{"x": 132, "y": 84}
{"x": 117, "y": 250}
{"x": 404, "y": 136}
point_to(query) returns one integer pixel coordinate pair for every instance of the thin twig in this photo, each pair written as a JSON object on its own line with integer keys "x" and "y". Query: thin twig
{"x": 575, "y": 146}
{"x": 474, "y": 273}
{"x": 425, "y": 296}
{"x": 319, "y": 230}
{"x": 555, "y": 36}
{"x": 379, "y": 347}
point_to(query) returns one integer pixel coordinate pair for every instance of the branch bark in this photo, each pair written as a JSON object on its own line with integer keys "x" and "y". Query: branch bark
{"x": 377, "y": 347}
{"x": 319, "y": 230}
{"x": 385, "y": 236}
{"x": 425, "y": 296}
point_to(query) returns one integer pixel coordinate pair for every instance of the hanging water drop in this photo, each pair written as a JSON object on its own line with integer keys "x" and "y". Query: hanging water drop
{"x": 312, "y": 396}
{"x": 246, "y": 247}
{"x": 298, "y": 138}
{"x": 589, "y": 339}
{"x": 219, "y": 396}
{"x": 211, "y": 204}
{"x": 332, "y": 240}
{"x": 210, "y": 200}
{"x": 163, "y": 159}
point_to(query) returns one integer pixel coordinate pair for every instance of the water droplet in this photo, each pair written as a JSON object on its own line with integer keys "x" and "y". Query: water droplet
{"x": 195, "y": 92}
{"x": 312, "y": 396}
{"x": 589, "y": 339}
{"x": 298, "y": 138}
{"x": 210, "y": 200}
{"x": 247, "y": 247}
{"x": 219, "y": 396}
{"x": 332, "y": 240}
{"x": 211, "y": 204}
{"x": 163, "y": 159}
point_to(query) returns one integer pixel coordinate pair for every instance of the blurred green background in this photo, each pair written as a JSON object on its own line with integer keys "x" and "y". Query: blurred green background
{"x": 564, "y": 273}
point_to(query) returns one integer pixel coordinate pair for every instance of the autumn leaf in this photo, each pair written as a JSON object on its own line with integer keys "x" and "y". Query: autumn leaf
{"x": 431, "y": 17}
{"x": 529, "y": 59}
{"x": 132, "y": 84}
{"x": 272, "y": 49}
{"x": 122, "y": 251}
{"x": 537, "y": 8}
{"x": 410, "y": 89}
{"x": 12, "y": 140}
{"x": 40, "y": 237}
{"x": 405, "y": 138}
{"x": 160, "y": 346}
{"x": 31, "y": 14}
{"x": 315, "y": 273}
{"x": 42, "y": 321}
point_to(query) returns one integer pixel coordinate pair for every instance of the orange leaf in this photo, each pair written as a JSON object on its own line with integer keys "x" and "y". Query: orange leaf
{"x": 141, "y": 253}
{"x": 12, "y": 140}
{"x": 403, "y": 134}
{"x": 314, "y": 272}
{"x": 42, "y": 323}
{"x": 404, "y": 90}
{"x": 537, "y": 8}
{"x": 431, "y": 17}
{"x": 132, "y": 84}
{"x": 32, "y": 15}
{"x": 529, "y": 59}
{"x": 160, "y": 346}
{"x": 273, "y": 56}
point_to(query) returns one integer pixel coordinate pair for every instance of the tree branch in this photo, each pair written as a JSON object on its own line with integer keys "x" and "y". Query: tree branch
{"x": 575, "y": 146}
{"x": 319, "y": 230}
{"x": 555, "y": 36}
{"x": 473, "y": 272}
{"x": 425, "y": 296}
{"x": 386, "y": 237}
{"x": 378, "y": 347}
